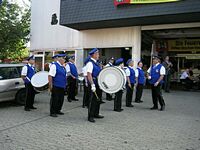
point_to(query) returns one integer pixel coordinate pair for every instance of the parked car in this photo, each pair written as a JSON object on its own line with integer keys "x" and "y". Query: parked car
{"x": 11, "y": 84}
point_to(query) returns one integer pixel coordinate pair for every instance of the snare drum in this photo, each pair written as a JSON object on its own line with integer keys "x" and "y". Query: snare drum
{"x": 40, "y": 81}
{"x": 112, "y": 79}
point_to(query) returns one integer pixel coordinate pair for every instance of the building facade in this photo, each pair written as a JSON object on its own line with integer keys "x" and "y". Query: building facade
{"x": 128, "y": 31}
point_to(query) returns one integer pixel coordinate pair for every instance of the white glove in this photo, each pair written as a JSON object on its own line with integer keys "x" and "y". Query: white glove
{"x": 93, "y": 88}
{"x": 149, "y": 77}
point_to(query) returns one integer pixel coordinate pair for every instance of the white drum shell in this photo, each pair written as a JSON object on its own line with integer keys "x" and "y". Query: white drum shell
{"x": 40, "y": 81}
{"x": 112, "y": 79}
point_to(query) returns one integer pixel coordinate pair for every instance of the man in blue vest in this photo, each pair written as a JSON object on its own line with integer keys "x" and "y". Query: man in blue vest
{"x": 93, "y": 70}
{"x": 130, "y": 74}
{"x": 72, "y": 74}
{"x": 118, "y": 96}
{"x": 54, "y": 60}
{"x": 140, "y": 80}
{"x": 110, "y": 64}
{"x": 155, "y": 75}
{"x": 27, "y": 73}
{"x": 86, "y": 95}
{"x": 57, "y": 84}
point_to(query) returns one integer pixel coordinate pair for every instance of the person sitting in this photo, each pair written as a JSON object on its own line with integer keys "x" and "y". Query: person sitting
{"x": 187, "y": 79}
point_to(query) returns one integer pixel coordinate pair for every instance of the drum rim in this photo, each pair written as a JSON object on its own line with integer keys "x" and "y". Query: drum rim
{"x": 41, "y": 72}
{"x": 122, "y": 73}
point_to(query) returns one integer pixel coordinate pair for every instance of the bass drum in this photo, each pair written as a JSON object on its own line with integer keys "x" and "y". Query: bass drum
{"x": 40, "y": 81}
{"x": 112, "y": 79}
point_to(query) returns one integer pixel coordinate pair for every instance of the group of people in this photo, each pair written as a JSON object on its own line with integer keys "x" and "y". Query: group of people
{"x": 61, "y": 75}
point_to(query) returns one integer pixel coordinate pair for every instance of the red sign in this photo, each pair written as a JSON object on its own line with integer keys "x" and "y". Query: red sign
{"x": 120, "y": 2}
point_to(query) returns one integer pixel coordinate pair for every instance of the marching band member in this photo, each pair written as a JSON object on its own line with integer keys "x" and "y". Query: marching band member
{"x": 110, "y": 64}
{"x": 130, "y": 74}
{"x": 86, "y": 95}
{"x": 27, "y": 73}
{"x": 118, "y": 96}
{"x": 155, "y": 75}
{"x": 57, "y": 84}
{"x": 140, "y": 80}
{"x": 54, "y": 60}
{"x": 93, "y": 70}
{"x": 72, "y": 79}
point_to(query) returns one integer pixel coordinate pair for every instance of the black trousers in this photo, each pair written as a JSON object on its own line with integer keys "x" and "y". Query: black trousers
{"x": 30, "y": 95}
{"x": 139, "y": 91}
{"x": 94, "y": 104}
{"x": 72, "y": 87}
{"x": 167, "y": 80}
{"x": 57, "y": 99}
{"x": 118, "y": 100}
{"x": 108, "y": 96}
{"x": 129, "y": 94}
{"x": 86, "y": 95}
{"x": 157, "y": 96}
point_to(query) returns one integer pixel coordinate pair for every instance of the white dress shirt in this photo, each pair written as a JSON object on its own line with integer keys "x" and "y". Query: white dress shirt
{"x": 25, "y": 70}
{"x": 128, "y": 73}
{"x": 52, "y": 71}
{"x": 184, "y": 75}
{"x": 162, "y": 70}
{"x": 89, "y": 66}
{"x": 84, "y": 71}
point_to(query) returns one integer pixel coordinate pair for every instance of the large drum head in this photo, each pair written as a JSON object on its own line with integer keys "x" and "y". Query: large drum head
{"x": 111, "y": 79}
{"x": 40, "y": 81}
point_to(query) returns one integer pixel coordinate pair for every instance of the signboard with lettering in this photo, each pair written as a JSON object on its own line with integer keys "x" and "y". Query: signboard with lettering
{"x": 122, "y": 2}
{"x": 178, "y": 45}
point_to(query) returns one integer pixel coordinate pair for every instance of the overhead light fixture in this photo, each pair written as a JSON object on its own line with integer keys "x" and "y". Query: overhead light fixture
{"x": 127, "y": 48}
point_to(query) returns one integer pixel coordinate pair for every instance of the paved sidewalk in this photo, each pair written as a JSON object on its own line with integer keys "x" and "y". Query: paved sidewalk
{"x": 138, "y": 128}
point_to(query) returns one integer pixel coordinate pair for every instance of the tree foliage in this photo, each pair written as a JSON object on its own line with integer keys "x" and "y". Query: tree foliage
{"x": 14, "y": 30}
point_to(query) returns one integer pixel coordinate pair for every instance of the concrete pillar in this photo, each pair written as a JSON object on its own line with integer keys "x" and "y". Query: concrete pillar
{"x": 79, "y": 56}
{"x": 136, "y": 48}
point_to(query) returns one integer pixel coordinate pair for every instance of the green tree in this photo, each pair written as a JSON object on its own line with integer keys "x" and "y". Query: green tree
{"x": 14, "y": 30}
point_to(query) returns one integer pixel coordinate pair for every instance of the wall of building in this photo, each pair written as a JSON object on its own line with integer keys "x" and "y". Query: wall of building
{"x": 45, "y": 36}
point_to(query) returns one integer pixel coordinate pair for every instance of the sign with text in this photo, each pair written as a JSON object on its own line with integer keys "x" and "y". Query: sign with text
{"x": 178, "y": 45}
{"x": 122, "y": 2}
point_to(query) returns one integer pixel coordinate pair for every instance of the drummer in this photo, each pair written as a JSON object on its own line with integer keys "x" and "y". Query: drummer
{"x": 130, "y": 74}
{"x": 57, "y": 85}
{"x": 118, "y": 96}
{"x": 110, "y": 64}
{"x": 93, "y": 70}
{"x": 85, "y": 82}
{"x": 72, "y": 74}
{"x": 27, "y": 73}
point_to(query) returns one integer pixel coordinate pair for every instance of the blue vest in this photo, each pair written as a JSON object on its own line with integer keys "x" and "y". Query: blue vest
{"x": 155, "y": 74}
{"x": 132, "y": 75}
{"x": 73, "y": 69}
{"x": 95, "y": 72}
{"x": 60, "y": 78}
{"x": 30, "y": 73}
{"x": 141, "y": 77}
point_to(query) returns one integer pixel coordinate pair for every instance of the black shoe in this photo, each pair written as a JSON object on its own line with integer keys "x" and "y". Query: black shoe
{"x": 69, "y": 100}
{"x": 140, "y": 101}
{"x": 53, "y": 115}
{"x": 75, "y": 99}
{"x": 137, "y": 101}
{"x": 27, "y": 109}
{"x": 60, "y": 113}
{"x": 121, "y": 109}
{"x": 99, "y": 116}
{"x": 91, "y": 120}
{"x": 162, "y": 108}
{"x": 129, "y": 105}
{"x": 102, "y": 102}
{"x": 33, "y": 107}
{"x": 154, "y": 108}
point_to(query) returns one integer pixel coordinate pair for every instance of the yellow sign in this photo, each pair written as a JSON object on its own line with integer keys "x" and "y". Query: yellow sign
{"x": 184, "y": 45}
{"x": 122, "y": 2}
{"x": 150, "y": 1}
